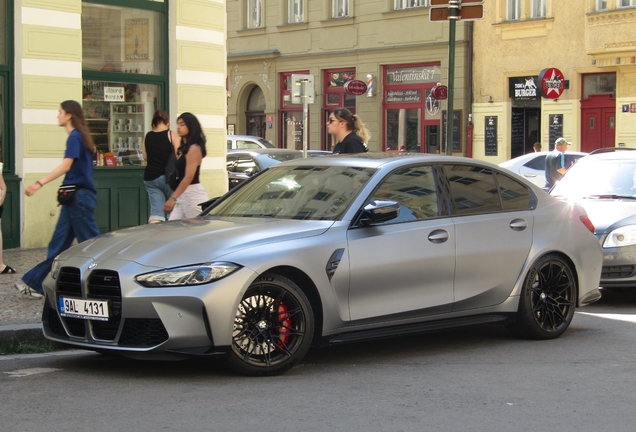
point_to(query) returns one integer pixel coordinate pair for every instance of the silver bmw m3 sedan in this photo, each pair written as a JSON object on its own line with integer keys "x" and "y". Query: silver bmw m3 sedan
{"x": 330, "y": 250}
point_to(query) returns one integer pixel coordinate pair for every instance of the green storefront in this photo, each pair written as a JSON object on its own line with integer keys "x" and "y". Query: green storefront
{"x": 124, "y": 73}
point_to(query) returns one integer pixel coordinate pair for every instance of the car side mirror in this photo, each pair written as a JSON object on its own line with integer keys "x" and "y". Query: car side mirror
{"x": 379, "y": 211}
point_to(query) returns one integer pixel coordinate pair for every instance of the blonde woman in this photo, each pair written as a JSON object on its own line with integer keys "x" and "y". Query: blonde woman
{"x": 349, "y": 131}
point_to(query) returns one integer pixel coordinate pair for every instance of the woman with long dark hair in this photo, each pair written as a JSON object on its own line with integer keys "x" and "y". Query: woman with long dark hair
{"x": 188, "y": 192}
{"x": 158, "y": 149}
{"x": 76, "y": 220}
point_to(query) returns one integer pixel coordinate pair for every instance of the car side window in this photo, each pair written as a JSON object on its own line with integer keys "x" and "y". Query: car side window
{"x": 537, "y": 163}
{"x": 571, "y": 159}
{"x": 473, "y": 189}
{"x": 414, "y": 189}
{"x": 246, "y": 144}
{"x": 514, "y": 195}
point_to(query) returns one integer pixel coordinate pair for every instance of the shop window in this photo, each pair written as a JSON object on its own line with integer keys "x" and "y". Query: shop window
{"x": 409, "y": 4}
{"x": 291, "y": 116}
{"x": 336, "y": 97}
{"x": 254, "y": 14}
{"x": 124, "y": 53}
{"x": 340, "y": 8}
{"x": 296, "y": 11}
{"x": 513, "y": 10}
{"x": 538, "y": 8}
{"x": 122, "y": 39}
{"x": 601, "y": 5}
{"x": 403, "y": 129}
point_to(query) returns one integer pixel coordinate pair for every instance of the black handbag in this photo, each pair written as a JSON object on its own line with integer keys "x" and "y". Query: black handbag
{"x": 66, "y": 194}
{"x": 170, "y": 168}
{"x": 174, "y": 179}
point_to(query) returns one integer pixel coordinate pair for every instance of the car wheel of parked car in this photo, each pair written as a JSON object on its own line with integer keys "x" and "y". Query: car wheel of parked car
{"x": 547, "y": 302}
{"x": 273, "y": 327}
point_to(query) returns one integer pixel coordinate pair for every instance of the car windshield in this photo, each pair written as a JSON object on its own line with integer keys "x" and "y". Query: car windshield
{"x": 297, "y": 192}
{"x": 266, "y": 143}
{"x": 598, "y": 179}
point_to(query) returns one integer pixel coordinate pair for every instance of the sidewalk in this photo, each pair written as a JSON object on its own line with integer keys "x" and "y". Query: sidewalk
{"x": 20, "y": 316}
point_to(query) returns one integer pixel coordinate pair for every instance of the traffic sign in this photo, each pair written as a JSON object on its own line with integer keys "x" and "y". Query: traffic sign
{"x": 466, "y": 12}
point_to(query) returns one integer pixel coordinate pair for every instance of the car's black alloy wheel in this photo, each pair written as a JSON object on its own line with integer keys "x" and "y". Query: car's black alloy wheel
{"x": 273, "y": 327}
{"x": 548, "y": 300}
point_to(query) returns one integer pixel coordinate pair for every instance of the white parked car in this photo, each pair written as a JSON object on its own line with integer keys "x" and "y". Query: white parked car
{"x": 247, "y": 142}
{"x": 532, "y": 165}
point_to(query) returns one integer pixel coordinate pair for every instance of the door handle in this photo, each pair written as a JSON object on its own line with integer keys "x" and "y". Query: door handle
{"x": 529, "y": 175}
{"x": 438, "y": 236}
{"x": 518, "y": 224}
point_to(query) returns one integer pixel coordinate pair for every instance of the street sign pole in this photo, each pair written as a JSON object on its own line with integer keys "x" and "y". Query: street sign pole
{"x": 453, "y": 16}
{"x": 305, "y": 97}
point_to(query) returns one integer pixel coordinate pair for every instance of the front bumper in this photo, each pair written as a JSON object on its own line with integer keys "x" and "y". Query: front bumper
{"x": 157, "y": 322}
{"x": 619, "y": 267}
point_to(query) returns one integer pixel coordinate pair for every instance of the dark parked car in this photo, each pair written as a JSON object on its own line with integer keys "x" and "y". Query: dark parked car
{"x": 243, "y": 164}
{"x": 330, "y": 250}
{"x": 603, "y": 184}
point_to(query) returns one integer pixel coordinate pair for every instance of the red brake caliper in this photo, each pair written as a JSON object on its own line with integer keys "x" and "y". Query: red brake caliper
{"x": 285, "y": 323}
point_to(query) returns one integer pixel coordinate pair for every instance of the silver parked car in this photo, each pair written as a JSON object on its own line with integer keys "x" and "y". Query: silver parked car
{"x": 329, "y": 250}
{"x": 604, "y": 185}
{"x": 532, "y": 165}
{"x": 247, "y": 142}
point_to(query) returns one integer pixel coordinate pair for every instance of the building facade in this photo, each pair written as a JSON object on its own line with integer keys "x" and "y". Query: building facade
{"x": 591, "y": 42}
{"x": 123, "y": 59}
{"x": 389, "y": 45}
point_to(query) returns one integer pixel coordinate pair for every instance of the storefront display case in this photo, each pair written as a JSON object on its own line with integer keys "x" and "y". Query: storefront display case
{"x": 129, "y": 123}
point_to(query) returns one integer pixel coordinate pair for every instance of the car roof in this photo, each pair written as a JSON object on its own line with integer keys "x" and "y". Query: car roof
{"x": 253, "y": 137}
{"x": 261, "y": 151}
{"x": 529, "y": 156}
{"x": 616, "y": 155}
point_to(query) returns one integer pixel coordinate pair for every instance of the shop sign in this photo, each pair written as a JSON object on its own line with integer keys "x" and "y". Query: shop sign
{"x": 355, "y": 87}
{"x": 490, "y": 132}
{"x": 399, "y": 96}
{"x": 440, "y": 92}
{"x": 114, "y": 94}
{"x": 413, "y": 75}
{"x": 523, "y": 88}
{"x": 551, "y": 83}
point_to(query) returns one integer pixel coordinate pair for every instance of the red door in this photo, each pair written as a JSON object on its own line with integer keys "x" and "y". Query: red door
{"x": 598, "y": 120}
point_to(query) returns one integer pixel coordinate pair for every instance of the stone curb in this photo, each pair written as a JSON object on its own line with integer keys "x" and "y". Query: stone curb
{"x": 22, "y": 332}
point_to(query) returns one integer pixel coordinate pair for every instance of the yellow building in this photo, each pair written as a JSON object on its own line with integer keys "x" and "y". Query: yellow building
{"x": 123, "y": 59}
{"x": 389, "y": 45}
{"x": 591, "y": 42}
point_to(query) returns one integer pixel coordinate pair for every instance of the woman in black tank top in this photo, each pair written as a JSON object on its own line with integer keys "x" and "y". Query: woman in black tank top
{"x": 157, "y": 150}
{"x": 189, "y": 193}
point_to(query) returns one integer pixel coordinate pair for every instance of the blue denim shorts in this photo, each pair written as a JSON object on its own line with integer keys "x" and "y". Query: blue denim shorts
{"x": 158, "y": 193}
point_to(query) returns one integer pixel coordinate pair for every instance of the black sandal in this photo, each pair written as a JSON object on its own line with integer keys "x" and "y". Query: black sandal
{"x": 8, "y": 270}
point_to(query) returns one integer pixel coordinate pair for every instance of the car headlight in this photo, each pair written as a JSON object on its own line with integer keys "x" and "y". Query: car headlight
{"x": 623, "y": 236}
{"x": 196, "y": 274}
{"x": 55, "y": 268}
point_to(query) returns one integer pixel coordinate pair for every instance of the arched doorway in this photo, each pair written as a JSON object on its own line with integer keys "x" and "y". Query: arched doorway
{"x": 255, "y": 113}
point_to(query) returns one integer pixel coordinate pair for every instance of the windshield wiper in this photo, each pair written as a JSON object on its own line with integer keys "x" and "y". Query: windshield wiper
{"x": 611, "y": 196}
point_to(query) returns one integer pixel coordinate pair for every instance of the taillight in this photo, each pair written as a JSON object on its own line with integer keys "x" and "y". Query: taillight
{"x": 587, "y": 222}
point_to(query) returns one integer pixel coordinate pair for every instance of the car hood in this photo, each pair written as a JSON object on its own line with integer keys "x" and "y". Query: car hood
{"x": 190, "y": 241}
{"x": 605, "y": 213}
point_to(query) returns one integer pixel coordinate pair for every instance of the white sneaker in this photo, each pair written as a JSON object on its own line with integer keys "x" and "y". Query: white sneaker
{"x": 27, "y": 291}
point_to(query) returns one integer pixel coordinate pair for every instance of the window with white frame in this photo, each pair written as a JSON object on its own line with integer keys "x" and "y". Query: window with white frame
{"x": 254, "y": 13}
{"x": 513, "y": 10}
{"x": 296, "y": 11}
{"x": 538, "y": 8}
{"x": 408, "y": 4}
{"x": 601, "y": 5}
{"x": 340, "y": 8}
{"x": 626, "y": 3}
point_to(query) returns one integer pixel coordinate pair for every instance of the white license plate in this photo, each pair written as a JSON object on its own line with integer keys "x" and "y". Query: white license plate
{"x": 84, "y": 309}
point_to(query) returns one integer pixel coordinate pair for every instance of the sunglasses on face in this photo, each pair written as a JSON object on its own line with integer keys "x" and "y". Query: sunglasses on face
{"x": 331, "y": 120}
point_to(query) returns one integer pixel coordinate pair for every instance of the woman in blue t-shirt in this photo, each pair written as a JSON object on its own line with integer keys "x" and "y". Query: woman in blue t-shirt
{"x": 76, "y": 220}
